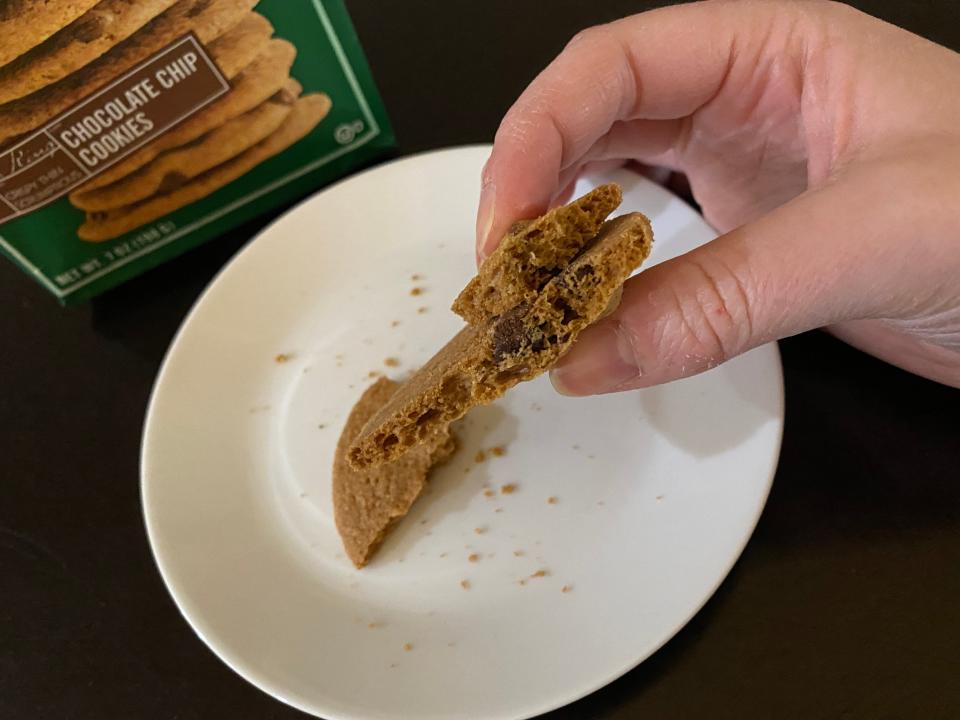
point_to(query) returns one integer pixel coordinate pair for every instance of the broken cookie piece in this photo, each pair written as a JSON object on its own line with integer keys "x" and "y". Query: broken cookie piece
{"x": 367, "y": 503}
{"x": 533, "y": 252}
{"x": 490, "y": 356}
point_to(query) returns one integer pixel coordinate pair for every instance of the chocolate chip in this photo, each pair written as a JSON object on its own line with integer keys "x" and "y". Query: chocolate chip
{"x": 508, "y": 332}
{"x": 86, "y": 30}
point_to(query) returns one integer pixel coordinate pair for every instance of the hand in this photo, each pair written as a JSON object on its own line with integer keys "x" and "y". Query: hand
{"x": 823, "y": 143}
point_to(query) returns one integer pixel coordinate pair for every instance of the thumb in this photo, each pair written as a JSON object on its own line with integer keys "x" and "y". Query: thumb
{"x": 827, "y": 256}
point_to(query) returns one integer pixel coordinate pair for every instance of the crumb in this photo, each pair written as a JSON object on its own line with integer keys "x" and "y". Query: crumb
{"x": 498, "y": 451}
{"x": 466, "y": 470}
{"x": 416, "y": 291}
{"x": 451, "y": 644}
{"x": 350, "y": 386}
{"x": 373, "y": 625}
{"x": 508, "y": 489}
{"x": 575, "y": 447}
{"x": 540, "y": 573}
{"x": 552, "y": 500}
{"x": 499, "y": 510}
{"x": 407, "y": 647}
{"x": 338, "y": 356}
{"x": 518, "y": 553}
{"x": 443, "y": 555}
{"x": 473, "y": 558}
{"x": 601, "y": 503}
{"x": 488, "y": 492}
{"x": 422, "y": 310}
{"x": 659, "y": 498}
{"x": 566, "y": 588}
{"x": 480, "y": 530}
{"x": 591, "y": 457}
{"x": 491, "y": 555}
{"x": 465, "y": 584}
{"x": 394, "y": 323}
{"x": 416, "y": 276}
{"x": 424, "y": 521}
{"x": 307, "y": 369}
{"x": 374, "y": 373}
{"x": 393, "y": 665}
{"x": 536, "y": 407}
{"x": 282, "y": 357}
{"x": 522, "y": 582}
{"x": 321, "y": 426}
{"x": 391, "y": 362}
{"x": 303, "y": 494}
{"x": 480, "y": 456}
{"x": 259, "y": 408}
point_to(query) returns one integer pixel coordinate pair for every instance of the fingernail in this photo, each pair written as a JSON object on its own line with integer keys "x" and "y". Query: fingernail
{"x": 485, "y": 220}
{"x": 601, "y": 361}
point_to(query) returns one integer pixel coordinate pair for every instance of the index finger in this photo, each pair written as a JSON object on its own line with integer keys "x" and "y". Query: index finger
{"x": 659, "y": 65}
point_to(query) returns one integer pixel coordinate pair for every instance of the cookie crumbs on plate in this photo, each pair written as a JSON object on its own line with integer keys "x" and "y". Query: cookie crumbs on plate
{"x": 480, "y": 457}
{"x": 373, "y": 625}
{"x": 522, "y": 582}
{"x": 488, "y": 492}
{"x": 498, "y": 451}
{"x": 391, "y": 362}
{"x": 474, "y": 558}
{"x": 518, "y": 553}
{"x": 601, "y": 503}
{"x": 321, "y": 426}
{"x": 283, "y": 357}
{"x": 307, "y": 369}
{"x": 395, "y": 323}
{"x": 416, "y": 276}
{"x": 566, "y": 588}
{"x": 659, "y": 498}
{"x": 416, "y": 291}
{"x": 591, "y": 457}
{"x": 393, "y": 665}
{"x": 422, "y": 310}
{"x": 480, "y": 530}
{"x": 303, "y": 494}
{"x": 451, "y": 644}
{"x": 443, "y": 555}
{"x": 540, "y": 574}
{"x": 407, "y": 647}
{"x": 425, "y": 521}
{"x": 499, "y": 510}
{"x": 552, "y": 500}
{"x": 508, "y": 489}
{"x": 466, "y": 471}
{"x": 465, "y": 584}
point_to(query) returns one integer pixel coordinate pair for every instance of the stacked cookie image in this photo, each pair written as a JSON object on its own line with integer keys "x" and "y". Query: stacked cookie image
{"x": 57, "y": 52}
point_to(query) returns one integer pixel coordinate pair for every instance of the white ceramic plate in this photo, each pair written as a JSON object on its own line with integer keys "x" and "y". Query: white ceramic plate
{"x": 656, "y": 492}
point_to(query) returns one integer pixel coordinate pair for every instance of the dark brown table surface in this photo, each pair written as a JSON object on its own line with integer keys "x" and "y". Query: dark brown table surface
{"x": 845, "y": 604}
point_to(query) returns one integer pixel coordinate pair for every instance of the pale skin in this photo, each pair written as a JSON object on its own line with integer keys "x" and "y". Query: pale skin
{"x": 822, "y": 143}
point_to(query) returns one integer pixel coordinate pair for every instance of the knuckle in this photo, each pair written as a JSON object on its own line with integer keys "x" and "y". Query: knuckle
{"x": 706, "y": 311}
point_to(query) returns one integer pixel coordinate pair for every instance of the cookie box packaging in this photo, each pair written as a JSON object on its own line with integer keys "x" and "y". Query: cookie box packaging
{"x": 133, "y": 131}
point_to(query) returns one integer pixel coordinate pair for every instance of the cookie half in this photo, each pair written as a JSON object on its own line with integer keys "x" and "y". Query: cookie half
{"x": 82, "y": 41}
{"x": 174, "y": 167}
{"x": 208, "y": 19}
{"x": 256, "y": 83}
{"x": 486, "y": 359}
{"x": 24, "y": 24}
{"x": 368, "y": 503}
{"x": 306, "y": 113}
{"x": 533, "y": 252}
